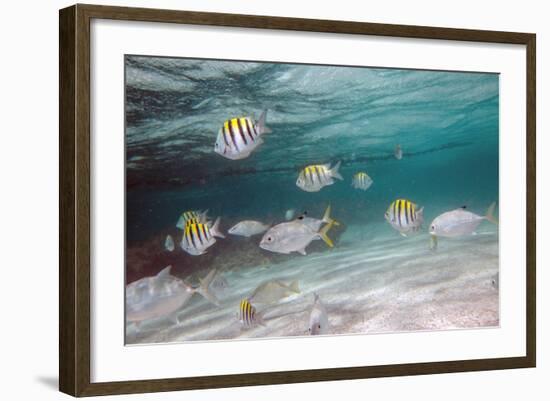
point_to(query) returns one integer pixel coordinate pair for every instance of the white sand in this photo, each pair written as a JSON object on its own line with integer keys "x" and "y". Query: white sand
{"x": 382, "y": 283}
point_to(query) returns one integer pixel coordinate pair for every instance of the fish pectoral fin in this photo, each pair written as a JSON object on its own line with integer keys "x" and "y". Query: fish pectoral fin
{"x": 164, "y": 273}
{"x": 403, "y": 234}
{"x": 433, "y": 242}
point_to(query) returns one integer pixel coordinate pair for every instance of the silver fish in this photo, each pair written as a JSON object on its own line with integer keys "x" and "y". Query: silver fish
{"x": 314, "y": 177}
{"x": 458, "y": 223}
{"x": 398, "y": 152}
{"x": 273, "y": 291}
{"x": 361, "y": 181}
{"x": 169, "y": 243}
{"x": 318, "y": 317}
{"x": 238, "y": 137}
{"x": 293, "y": 236}
{"x": 248, "y": 228}
{"x": 404, "y": 216}
{"x": 162, "y": 296}
{"x": 198, "y": 237}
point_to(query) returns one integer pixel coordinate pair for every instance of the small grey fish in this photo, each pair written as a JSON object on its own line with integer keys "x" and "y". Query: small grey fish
{"x": 318, "y": 317}
{"x": 273, "y": 291}
{"x": 169, "y": 243}
{"x": 398, "y": 152}
{"x": 248, "y": 228}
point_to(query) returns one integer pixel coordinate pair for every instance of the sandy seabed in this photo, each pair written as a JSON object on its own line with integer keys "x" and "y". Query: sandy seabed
{"x": 368, "y": 283}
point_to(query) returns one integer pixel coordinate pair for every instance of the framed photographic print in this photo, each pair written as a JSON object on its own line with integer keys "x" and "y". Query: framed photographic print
{"x": 279, "y": 200}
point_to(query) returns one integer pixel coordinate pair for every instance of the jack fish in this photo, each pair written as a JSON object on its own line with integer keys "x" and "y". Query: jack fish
{"x": 273, "y": 291}
{"x": 162, "y": 296}
{"x": 294, "y": 236}
{"x": 458, "y": 223}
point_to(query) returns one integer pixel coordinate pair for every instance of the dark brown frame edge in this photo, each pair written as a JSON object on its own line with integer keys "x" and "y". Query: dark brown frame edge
{"x": 74, "y": 199}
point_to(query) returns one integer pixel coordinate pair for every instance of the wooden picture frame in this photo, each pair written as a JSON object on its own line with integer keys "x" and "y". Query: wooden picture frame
{"x": 74, "y": 205}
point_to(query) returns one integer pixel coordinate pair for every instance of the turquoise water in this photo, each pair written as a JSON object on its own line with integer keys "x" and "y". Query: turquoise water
{"x": 447, "y": 124}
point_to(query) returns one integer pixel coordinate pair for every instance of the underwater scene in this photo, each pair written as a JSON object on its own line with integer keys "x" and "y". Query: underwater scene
{"x": 270, "y": 199}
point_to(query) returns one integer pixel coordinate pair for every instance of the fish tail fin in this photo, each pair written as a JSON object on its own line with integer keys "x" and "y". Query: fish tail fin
{"x": 204, "y": 288}
{"x": 490, "y": 213}
{"x": 181, "y": 223}
{"x": 323, "y": 234}
{"x": 264, "y": 129}
{"x": 295, "y": 287}
{"x": 216, "y": 229}
{"x": 315, "y": 297}
{"x": 328, "y": 219}
{"x": 433, "y": 242}
{"x": 334, "y": 171}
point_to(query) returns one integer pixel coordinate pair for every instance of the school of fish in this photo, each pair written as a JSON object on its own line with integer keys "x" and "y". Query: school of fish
{"x": 164, "y": 295}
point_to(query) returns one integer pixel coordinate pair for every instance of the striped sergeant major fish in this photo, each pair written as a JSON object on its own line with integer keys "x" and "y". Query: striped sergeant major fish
{"x": 198, "y": 237}
{"x": 238, "y": 137}
{"x": 191, "y": 216}
{"x": 248, "y": 316}
{"x": 404, "y": 216}
{"x": 361, "y": 180}
{"x": 314, "y": 177}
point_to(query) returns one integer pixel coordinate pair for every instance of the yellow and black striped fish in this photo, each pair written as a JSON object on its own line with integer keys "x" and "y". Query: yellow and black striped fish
{"x": 404, "y": 216}
{"x": 316, "y": 176}
{"x": 197, "y": 237}
{"x": 238, "y": 137}
{"x": 361, "y": 180}
{"x": 247, "y": 314}
{"x": 191, "y": 216}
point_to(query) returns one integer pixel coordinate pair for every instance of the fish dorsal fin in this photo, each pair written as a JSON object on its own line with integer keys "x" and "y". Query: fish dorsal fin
{"x": 206, "y": 281}
{"x": 164, "y": 273}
